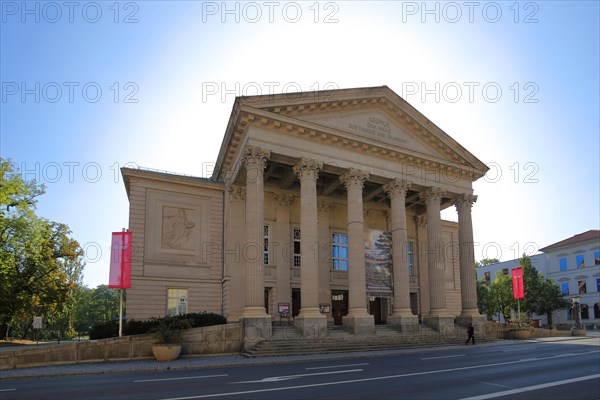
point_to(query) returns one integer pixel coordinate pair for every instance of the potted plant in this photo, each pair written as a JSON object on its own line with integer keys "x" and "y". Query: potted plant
{"x": 168, "y": 339}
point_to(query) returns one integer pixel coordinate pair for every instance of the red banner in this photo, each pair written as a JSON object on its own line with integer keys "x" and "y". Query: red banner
{"x": 517, "y": 282}
{"x": 120, "y": 260}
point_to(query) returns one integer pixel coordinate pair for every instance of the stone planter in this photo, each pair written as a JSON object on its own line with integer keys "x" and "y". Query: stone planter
{"x": 166, "y": 352}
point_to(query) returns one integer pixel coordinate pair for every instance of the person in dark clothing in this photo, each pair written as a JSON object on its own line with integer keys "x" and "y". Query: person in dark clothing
{"x": 471, "y": 333}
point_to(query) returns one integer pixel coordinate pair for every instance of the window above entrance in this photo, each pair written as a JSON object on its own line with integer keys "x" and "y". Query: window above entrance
{"x": 340, "y": 251}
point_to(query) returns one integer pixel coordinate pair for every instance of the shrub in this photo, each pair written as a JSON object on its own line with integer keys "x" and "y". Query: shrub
{"x": 133, "y": 327}
{"x": 104, "y": 330}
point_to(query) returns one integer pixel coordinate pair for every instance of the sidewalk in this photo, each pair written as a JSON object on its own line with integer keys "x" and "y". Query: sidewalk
{"x": 212, "y": 361}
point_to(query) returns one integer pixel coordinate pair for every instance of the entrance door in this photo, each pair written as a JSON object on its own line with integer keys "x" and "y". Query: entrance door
{"x": 375, "y": 309}
{"x": 267, "y": 300}
{"x": 339, "y": 305}
{"x": 296, "y": 302}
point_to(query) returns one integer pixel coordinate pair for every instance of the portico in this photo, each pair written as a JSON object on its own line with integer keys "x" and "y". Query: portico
{"x": 309, "y": 185}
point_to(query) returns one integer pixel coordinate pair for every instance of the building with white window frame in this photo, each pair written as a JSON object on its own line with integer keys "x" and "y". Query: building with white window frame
{"x": 574, "y": 265}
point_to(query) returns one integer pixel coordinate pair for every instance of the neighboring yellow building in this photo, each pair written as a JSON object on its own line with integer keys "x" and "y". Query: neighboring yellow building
{"x": 300, "y": 184}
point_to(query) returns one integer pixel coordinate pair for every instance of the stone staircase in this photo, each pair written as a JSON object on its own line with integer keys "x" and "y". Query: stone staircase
{"x": 287, "y": 341}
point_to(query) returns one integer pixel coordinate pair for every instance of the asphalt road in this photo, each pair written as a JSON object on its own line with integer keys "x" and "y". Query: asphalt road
{"x": 552, "y": 370}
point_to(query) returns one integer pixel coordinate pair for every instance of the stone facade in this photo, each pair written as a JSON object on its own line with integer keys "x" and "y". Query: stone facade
{"x": 280, "y": 227}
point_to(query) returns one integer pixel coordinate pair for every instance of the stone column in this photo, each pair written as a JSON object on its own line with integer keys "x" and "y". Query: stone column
{"x": 438, "y": 316}
{"x": 281, "y": 234}
{"x": 358, "y": 319}
{"x": 402, "y": 315}
{"x": 235, "y": 279}
{"x": 468, "y": 278}
{"x": 423, "y": 272}
{"x": 257, "y": 323}
{"x": 310, "y": 321}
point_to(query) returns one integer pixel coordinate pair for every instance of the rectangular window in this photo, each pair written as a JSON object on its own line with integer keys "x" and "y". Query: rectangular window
{"x": 297, "y": 247}
{"x": 266, "y": 240}
{"x": 579, "y": 261}
{"x": 488, "y": 278}
{"x": 582, "y": 287}
{"x": 564, "y": 287}
{"x": 505, "y": 271}
{"x": 177, "y": 300}
{"x": 585, "y": 311}
{"x": 563, "y": 263}
{"x": 598, "y": 285}
{"x": 597, "y": 258}
{"x": 409, "y": 253}
{"x": 340, "y": 251}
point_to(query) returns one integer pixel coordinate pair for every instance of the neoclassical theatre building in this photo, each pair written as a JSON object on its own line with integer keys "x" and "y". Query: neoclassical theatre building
{"x": 323, "y": 208}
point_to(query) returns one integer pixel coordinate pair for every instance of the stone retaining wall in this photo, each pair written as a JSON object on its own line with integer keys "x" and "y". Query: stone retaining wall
{"x": 502, "y": 331}
{"x": 215, "y": 339}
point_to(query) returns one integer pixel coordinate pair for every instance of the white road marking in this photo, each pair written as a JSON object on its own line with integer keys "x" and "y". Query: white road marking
{"x": 180, "y": 378}
{"x": 204, "y": 396}
{"x": 288, "y": 377}
{"x": 338, "y": 366}
{"x": 506, "y": 351}
{"x": 494, "y": 384}
{"x": 534, "y": 387}
{"x": 7, "y": 390}
{"x": 436, "y": 358}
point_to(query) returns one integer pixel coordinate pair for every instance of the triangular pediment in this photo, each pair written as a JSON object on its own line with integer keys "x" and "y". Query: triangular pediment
{"x": 375, "y": 125}
{"x": 374, "y": 119}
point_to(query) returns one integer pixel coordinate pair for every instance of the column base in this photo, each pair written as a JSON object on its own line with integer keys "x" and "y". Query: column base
{"x": 439, "y": 323}
{"x": 256, "y": 330}
{"x": 406, "y": 323}
{"x": 360, "y": 325}
{"x": 312, "y": 325}
{"x": 254, "y": 312}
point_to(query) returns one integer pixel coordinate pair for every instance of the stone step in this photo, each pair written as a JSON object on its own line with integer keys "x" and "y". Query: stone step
{"x": 340, "y": 342}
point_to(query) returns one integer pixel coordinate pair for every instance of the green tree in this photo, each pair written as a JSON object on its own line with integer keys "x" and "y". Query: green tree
{"x": 533, "y": 283}
{"x": 39, "y": 262}
{"x": 501, "y": 298}
{"x": 541, "y": 296}
{"x": 550, "y": 300}
{"x": 483, "y": 299}
{"x": 106, "y": 302}
{"x": 99, "y": 305}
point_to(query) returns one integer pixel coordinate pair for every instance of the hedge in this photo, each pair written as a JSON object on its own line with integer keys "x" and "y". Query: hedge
{"x": 133, "y": 327}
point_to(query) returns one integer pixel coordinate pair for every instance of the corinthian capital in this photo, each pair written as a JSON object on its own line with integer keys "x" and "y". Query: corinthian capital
{"x": 255, "y": 157}
{"x": 354, "y": 177}
{"x": 432, "y": 195}
{"x": 307, "y": 168}
{"x": 396, "y": 188}
{"x": 464, "y": 202}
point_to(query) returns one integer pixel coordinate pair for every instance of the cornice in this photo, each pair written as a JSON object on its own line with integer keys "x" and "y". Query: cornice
{"x": 286, "y": 125}
{"x": 167, "y": 177}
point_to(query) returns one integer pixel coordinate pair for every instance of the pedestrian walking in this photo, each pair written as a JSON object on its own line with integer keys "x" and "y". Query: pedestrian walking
{"x": 471, "y": 333}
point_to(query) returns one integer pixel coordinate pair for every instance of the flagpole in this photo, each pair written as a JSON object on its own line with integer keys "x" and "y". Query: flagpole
{"x": 121, "y": 290}
{"x": 121, "y": 312}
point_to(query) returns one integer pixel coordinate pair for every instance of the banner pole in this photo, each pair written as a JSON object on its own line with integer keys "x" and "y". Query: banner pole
{"x": 121, "y": 312}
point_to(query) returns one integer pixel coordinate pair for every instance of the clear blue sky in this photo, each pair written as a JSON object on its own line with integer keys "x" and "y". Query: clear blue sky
{"x": 88, "y": 87}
